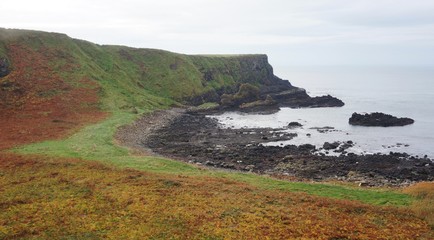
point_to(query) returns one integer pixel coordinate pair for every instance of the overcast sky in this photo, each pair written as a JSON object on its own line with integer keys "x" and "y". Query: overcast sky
{"x": 290, "y": 32}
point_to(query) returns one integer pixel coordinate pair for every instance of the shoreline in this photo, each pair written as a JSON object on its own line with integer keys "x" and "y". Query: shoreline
{"x": 191, "y": 137}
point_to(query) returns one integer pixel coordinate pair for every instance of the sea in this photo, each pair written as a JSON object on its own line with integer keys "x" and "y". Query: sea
{"x": 402, "y": 91}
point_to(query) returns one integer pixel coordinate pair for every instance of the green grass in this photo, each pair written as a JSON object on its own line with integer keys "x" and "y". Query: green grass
{"x": 208, "y": 105}
{"x": 371, "y": 196}
{"x": 95, "y": 142}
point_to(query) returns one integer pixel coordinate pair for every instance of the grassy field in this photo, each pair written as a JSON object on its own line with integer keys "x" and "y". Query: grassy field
{"x": 62, "y": 175}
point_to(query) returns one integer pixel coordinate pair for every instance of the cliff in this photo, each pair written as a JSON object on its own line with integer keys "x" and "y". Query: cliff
{"x": 127, "y": 77}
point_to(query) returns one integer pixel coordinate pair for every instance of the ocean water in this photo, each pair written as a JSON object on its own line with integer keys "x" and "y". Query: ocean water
{"x": 400, "y": 91}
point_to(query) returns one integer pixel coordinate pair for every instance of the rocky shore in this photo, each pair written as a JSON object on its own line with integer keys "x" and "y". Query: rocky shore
{"x": 195, "y": 138}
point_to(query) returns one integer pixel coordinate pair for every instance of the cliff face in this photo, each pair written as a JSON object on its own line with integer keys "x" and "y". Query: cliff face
{"x": 253, "y": 69}
{"x": 224, "y": 74}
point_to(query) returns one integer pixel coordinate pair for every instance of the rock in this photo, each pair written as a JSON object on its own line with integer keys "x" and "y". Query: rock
{"x": 330, "y": 146}
{"x": 288, "y": 158}
{"x": 298, "y": 97}
{"x": 249, "y": 167}
{"x": 4, "y": 67}
{"x": 267, "y": 106}
{"x": 344, "y": 146}
{"x": 209, "y": 163}
{"x": 246, "y": 93}
{"x": 306, "y": 147}
{"x": 378, "y": 119}
{"x": 294, "y": 125}
{"x": 326, "y": 101}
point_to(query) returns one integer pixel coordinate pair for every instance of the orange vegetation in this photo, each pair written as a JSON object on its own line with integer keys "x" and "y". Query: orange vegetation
{"x": 36, "y": 103}
{"x": 424, "y": 207}
{"x": 76, "y": 199}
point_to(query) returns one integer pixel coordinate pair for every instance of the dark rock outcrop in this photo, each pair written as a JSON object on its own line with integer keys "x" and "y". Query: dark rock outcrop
{"x": 378, "y": 119}
{"x": 298, "y": 98}
{"x": 330, "y": 146}
{"x": 267, "y": 106}
{"x": 294, "y": 125}
{"x": 247, "y": 93}
{"x": 4, "y": 67}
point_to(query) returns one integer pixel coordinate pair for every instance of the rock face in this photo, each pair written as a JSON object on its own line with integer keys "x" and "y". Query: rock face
{"x": 4, "y": 67}
{"x": 378, "y": 120}
{"x": 227, "y": 74}
{"x": 253, "y": 71}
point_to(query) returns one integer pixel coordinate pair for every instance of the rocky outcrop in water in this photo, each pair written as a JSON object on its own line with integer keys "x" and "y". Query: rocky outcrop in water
{"x": 298, "y": 98}
{"x": 294, "y": 125}
{"x": 378, "y": 119}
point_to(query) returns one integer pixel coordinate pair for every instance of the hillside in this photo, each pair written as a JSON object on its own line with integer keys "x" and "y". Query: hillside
{"x": 63, "y": 176}
{"x": 128, "y": 73}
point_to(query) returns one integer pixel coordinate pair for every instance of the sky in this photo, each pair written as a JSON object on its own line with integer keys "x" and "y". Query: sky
{"x": 290, "y": 32}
